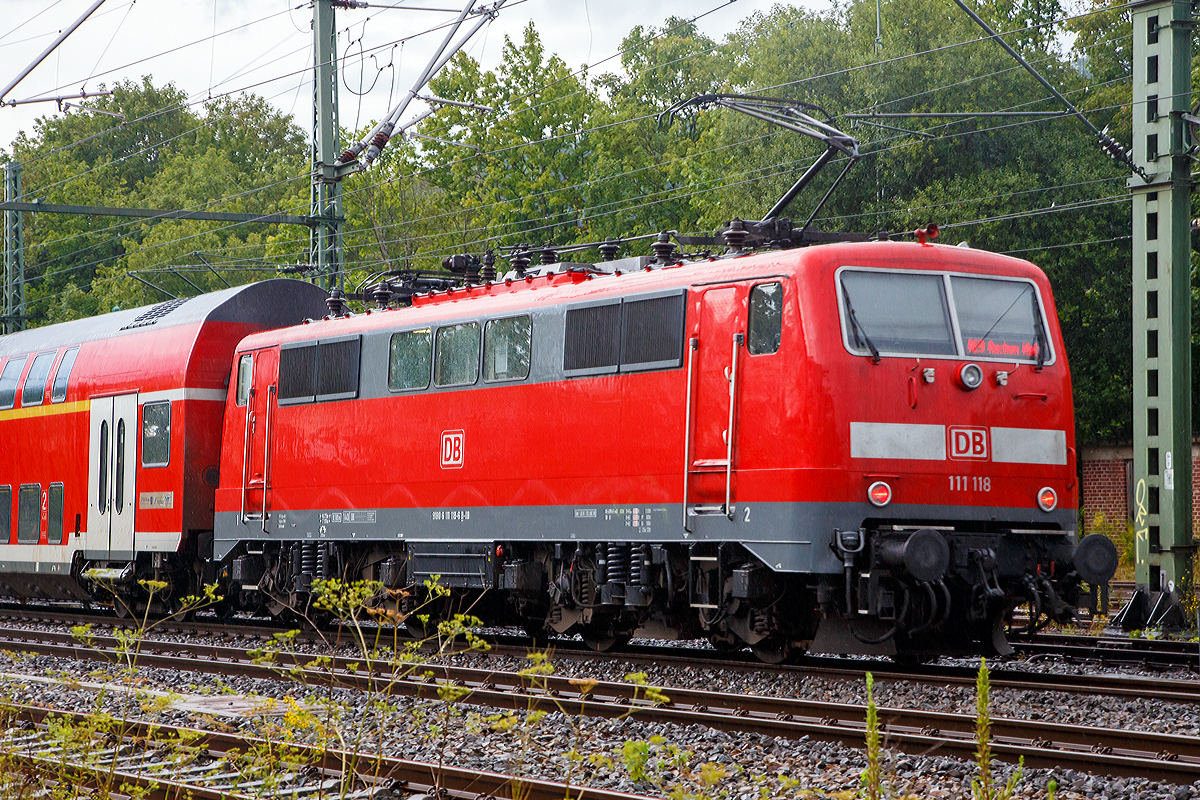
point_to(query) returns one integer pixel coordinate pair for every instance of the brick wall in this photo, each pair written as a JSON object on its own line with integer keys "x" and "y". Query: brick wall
{"x": 1105, "y": 484}
{"x": 1106, "y": 488}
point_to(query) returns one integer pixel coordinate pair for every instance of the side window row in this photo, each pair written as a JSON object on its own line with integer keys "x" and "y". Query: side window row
{"x": 34, "y": 390}
{"x": 452, "y": 354}
{"x": 31, "y": 501}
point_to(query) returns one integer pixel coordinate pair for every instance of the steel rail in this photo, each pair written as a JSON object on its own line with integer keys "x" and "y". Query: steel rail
{"x": 375, "y": 771}
{"x": 1041, "y": 744}
{"x": 1129, "y": 686}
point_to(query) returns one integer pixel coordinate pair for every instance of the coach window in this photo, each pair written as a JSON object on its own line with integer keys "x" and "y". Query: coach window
{"x": 245, "y": 376}
{"x": 8, "y": 380}
{"x": 410, "y": 360}
{"x": 35, "y": 382}
{"x": 506, "y": 344}
{"x": 456, "y": 358}
{"x": 156, "y": 434}
{"x": 29, "y": 513}
{"x": 102, "y": 468}
{"x": 54, "y": 520}
{"x": 58, "y": 391}
{"x": 766, "y": 318}
{"x": 5, "y": 514}
{"x": 119, "y": 477}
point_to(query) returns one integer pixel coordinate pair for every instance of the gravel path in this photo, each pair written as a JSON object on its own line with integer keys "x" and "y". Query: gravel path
{"x": 654, "y": 759}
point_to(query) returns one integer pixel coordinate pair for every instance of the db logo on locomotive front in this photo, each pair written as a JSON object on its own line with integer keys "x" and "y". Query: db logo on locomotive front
{"x": 968, "y": 443}
{"x": 452, "y": 449}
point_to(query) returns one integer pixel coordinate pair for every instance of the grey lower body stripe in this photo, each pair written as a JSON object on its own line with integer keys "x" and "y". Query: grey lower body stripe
{"x": 892, "y": 440}
{"x": 1029, "y": 446}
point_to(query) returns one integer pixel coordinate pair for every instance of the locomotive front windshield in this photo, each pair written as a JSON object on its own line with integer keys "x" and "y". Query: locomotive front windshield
{"x": 934, "y": 314}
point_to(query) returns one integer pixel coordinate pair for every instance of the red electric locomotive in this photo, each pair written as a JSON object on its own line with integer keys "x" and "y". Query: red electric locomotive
{"x": 111, "y": 430}
{"x": 848, "y": 448}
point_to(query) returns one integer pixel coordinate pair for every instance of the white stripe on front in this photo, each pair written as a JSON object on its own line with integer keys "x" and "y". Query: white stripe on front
{"x": 1029, "y": 446}
{"x": 897, "y": 440}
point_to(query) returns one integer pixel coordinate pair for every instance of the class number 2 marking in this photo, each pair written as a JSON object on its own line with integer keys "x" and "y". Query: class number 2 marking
{"x": 746, "y": 518}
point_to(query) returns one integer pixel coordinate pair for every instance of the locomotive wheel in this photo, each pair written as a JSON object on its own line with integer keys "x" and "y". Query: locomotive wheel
{"x": 772, "y": 650}
{"x": 604, "y": 639}
{"x": 537, "y": 630}
{"x": 725, "y": 642}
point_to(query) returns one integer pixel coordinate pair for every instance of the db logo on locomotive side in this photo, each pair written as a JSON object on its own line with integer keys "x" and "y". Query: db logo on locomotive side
{"x": 452, "y": 449}
{"x": 968, "y": 443}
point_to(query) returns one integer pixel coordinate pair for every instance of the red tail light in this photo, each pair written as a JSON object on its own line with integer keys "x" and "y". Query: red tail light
{"x": 879, "y": 493}
{"x": 1047, "y": 499}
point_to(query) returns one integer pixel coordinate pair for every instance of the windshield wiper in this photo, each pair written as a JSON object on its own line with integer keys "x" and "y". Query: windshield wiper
{"x": 857, "y": 327}
{"x": 1039, "y": 331}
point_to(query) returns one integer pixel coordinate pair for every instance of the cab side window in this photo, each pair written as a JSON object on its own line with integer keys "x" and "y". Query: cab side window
{"x": 765, "y": 329}
{"x": 245, "y": 375}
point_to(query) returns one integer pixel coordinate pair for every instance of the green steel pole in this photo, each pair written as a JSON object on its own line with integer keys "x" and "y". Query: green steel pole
{"x": 14, "y": 254}
{"x": 1162, "y": 367}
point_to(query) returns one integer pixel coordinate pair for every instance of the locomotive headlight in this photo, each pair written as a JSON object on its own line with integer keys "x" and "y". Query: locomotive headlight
{"x": 879, "y": 493}
{"x": 971, "y": 376}
{"x": 1047, "y": 499}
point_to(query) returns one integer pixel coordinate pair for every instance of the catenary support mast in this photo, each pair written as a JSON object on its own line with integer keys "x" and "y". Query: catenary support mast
{"x": 1162, "y": 365}
{"x": 325, "y": 243}
{"x": 12, "y": 314}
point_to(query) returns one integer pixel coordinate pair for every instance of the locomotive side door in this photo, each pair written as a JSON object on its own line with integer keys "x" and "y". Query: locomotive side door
{"x": 714, "y": 358}
{"x": 112, "y": 475}
{"x": 257, "y": 373}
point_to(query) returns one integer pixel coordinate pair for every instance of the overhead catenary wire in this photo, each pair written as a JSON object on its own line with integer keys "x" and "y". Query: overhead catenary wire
{"x": 532, "y": 143}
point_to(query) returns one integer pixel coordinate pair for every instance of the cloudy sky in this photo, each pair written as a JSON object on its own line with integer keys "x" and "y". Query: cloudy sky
{"x": 264, "y": 46}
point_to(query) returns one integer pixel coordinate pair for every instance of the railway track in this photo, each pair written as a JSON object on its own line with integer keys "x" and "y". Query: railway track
{"x": 1042, "y": 744}
{"x": 212, "y": 765}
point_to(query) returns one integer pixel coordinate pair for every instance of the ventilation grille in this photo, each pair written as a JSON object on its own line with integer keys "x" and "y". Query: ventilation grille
{"x": 154, "y": 313}
{"x": 337, "y": 369}
{"x": 319, "y": 371}
{"x": 593, "y": 338}
{"x": 298, "y": 373}
{"x": 652, "y": 332}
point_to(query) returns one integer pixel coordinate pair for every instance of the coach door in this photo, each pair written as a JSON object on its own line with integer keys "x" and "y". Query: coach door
{"x": 714, "y": 359}
{"x": 112, "y": 491}
{"x": 257, "y": 374}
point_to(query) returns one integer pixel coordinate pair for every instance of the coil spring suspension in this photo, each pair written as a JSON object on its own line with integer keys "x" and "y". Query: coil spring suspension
{"x": 323, "y": 557}
{"x": 640, "y": 566}
{"x": 308, "y": 559}
{"x": 618, "y": 563}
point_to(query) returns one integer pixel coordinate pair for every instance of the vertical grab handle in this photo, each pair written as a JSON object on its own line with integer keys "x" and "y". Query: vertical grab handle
{"x": 245, "y": 461}
{"x": 729, "y": 432}
{"x": 266, "y": 456}
{"x": 693, "y": 343}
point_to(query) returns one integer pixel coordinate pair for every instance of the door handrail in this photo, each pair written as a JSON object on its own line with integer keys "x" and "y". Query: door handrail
{"x": 729, "y": 432}
{"x": 693, "y": 343}
{"x": 267, "y": 456}
{"x": 245, "y": 461}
